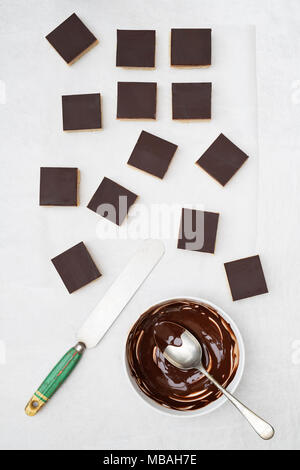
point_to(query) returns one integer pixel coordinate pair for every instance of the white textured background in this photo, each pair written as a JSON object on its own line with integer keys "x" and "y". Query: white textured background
{"x": 38, "y": 319}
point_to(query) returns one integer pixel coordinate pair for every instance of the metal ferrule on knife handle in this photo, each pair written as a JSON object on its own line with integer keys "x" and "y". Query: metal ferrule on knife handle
{"x": 56, "y": 377}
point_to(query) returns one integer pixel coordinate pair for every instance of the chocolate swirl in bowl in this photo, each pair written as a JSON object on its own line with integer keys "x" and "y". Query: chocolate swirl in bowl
{"x": 161, "y": 381}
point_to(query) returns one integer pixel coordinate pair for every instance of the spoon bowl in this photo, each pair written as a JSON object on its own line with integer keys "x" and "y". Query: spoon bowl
{"x": 178, "y": 345}
{"x": 187, "y": 356}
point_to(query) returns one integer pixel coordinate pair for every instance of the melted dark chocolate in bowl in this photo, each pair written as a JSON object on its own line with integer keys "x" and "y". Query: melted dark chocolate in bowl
{"x": 166, "y": 384}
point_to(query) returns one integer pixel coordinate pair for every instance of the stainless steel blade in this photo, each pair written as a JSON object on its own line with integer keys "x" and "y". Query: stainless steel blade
{"x": 120, "y": 292}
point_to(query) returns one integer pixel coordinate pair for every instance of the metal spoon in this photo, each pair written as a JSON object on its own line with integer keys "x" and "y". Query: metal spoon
{"x": 188, "y": 355}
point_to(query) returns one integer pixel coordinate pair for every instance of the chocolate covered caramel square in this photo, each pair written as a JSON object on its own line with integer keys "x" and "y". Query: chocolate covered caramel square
{"x": 191, "y": 47}
{"x": 198, "y": 230}
{"x": 135, "y": 48}
{"x": 191, "y": 101}
{"x": 76, "y": 267}
{"x": 58, "y": 186}
{"x": 152, "y": 154}
{"x": 222, "y": 159}
{"x": 81, "y": 112}
{"x": 136, "y": 100}
{"x": 246, "y": 277}
{"x": 71, "y": 39}
{"x": 112, "y": 201}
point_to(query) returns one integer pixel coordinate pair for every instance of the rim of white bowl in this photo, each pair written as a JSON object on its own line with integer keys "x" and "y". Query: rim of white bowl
{"x": 231, "y": 387}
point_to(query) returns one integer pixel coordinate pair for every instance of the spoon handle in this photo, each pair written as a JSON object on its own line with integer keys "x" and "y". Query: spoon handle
{"x": 263, "y": 429}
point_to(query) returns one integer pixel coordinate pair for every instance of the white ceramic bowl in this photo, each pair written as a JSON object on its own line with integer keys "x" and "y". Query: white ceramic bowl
{"x": 231, "y": 387}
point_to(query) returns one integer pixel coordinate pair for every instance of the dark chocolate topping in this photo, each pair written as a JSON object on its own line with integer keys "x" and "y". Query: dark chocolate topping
{"x": 136, "y": 100}
{"x": 222, "y": 159}
{"x": 191, "y": 100}
{"x": 135, "y": 48}
{"x": 112, "y": 201}
{"x": 71, "y": 38}
{"x": 165, "y": 383}
{"x": 198, "y": 230}
{"x": 58, "y": 186}
{"x": 246, "y": 277}
{"x": 76, "y": 267}
{"x": 81, "y": 112}
{"x": 152, "y": 154}
{"x": 191, "y": 47}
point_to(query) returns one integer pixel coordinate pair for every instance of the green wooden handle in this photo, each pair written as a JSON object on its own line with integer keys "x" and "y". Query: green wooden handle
{"x": 55, "y": 379}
